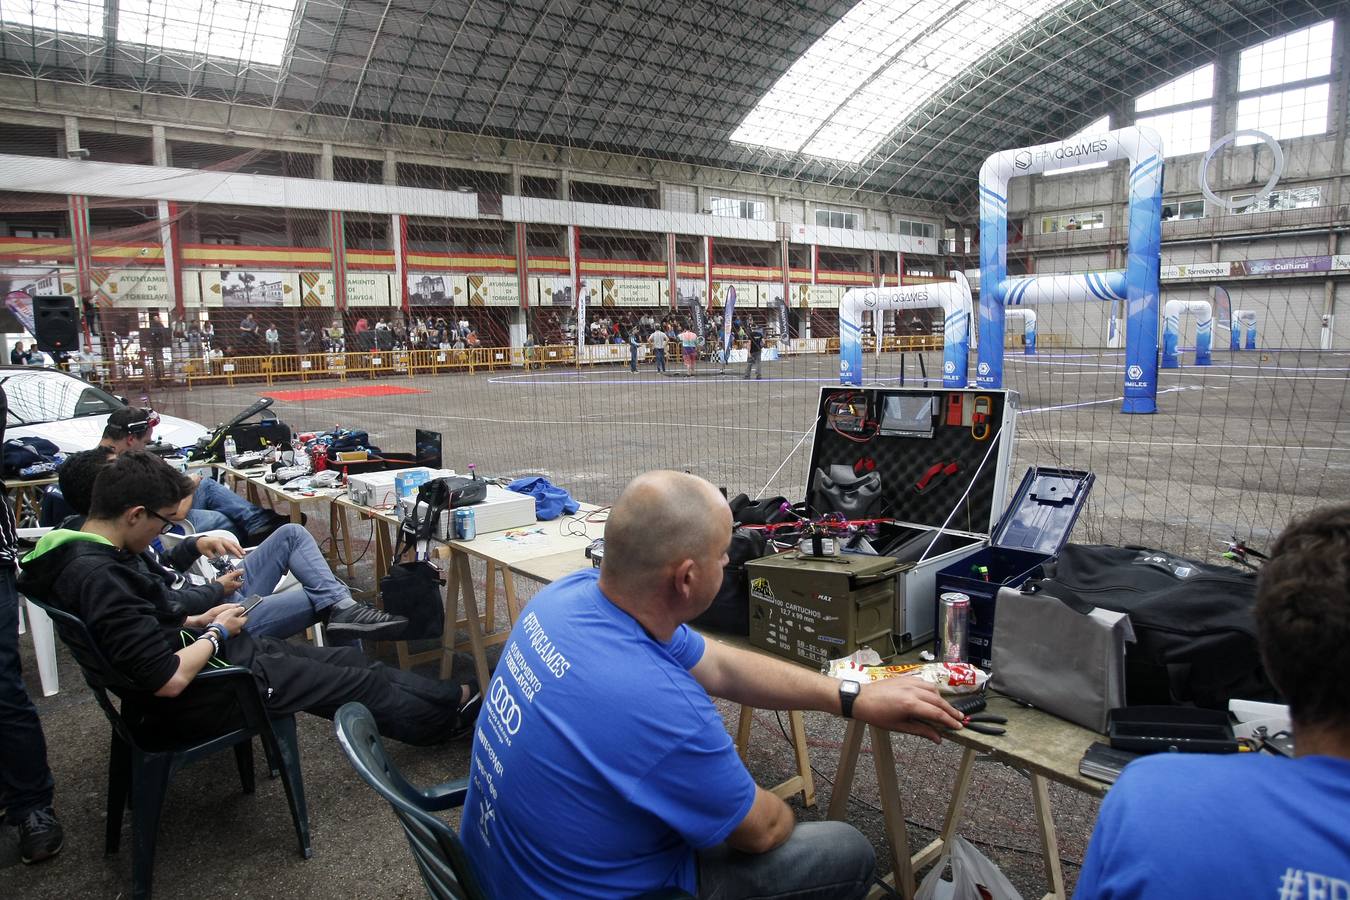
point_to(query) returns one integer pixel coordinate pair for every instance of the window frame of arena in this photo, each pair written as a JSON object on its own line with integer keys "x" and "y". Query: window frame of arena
{"x": 738, "y": 207}
{"x": 848, "y": 219}
{"x": 1086, "y": 220}
{"x": 1165, "y": 116}
{"x": 34, "y": 232}
{"x": 1183, "y": 209}
{"x": 915, "y": 228}
{"x": 1302, "y": 197}
{"x": 1294, "y": 51}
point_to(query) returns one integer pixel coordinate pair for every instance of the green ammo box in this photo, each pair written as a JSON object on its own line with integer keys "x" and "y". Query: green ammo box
{"x": 811, "y": 609}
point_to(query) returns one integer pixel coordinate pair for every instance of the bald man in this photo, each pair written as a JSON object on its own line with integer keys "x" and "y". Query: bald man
{"x": 601, "y": 767}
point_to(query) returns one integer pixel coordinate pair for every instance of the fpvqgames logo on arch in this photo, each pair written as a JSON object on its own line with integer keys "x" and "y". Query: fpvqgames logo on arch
{"x": 1023, "y": 159}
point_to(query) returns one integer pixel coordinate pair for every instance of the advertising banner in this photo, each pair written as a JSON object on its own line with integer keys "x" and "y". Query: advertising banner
{"x": 493, "y": 290}
{"x": 1286, "y": 265}
{"x": 747, "y": 293}
{"x": 1197, "y": 270}
{"x": 368, "y": 289}
{"x": 144, "y": 288}
{"x": 630, "y": 291}
{"x": 437, "y": 289}
{"x": 251, "y": 288}
{"x": 825, "y": 296}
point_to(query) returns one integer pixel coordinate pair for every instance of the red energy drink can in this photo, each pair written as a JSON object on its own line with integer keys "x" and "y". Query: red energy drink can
{"x": 953, "y": 625}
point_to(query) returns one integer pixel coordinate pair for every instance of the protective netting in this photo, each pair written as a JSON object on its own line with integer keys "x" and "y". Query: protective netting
{"x": 512, "y": 338}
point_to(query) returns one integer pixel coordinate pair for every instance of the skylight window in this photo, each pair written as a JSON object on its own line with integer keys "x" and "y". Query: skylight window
{"x": 1185, "y": 131}
{"x": 1287, "y": 114}
{"x": 67, "y": 16}
{"x": 878, "y": 64}
{"x": 1097, "y": 127}
{"x": 1297, "y": 56}
{"x": 252, "y": 31}
{"x": 1196, "y": 85}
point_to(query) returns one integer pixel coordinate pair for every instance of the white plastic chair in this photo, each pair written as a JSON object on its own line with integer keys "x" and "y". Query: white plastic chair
{"x": 40, "y": 624}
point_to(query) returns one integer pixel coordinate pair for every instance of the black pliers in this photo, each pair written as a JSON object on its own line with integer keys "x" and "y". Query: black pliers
{"x": 985, "y": 723}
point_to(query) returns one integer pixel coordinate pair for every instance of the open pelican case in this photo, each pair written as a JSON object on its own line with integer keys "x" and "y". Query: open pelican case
{"x": 943, "y": 457}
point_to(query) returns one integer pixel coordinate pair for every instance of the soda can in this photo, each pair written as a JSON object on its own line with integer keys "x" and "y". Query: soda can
{"x": 466, "y": 529}
{"x": 953, "y": 624}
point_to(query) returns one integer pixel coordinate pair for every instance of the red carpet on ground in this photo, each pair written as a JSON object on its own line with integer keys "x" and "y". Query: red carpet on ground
{"x": 341, "y": 393}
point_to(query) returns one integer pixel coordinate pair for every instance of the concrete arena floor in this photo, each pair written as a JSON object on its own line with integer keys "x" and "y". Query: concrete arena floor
{"x": 1241, "y": 446}
{"x": 1235, "y": 448}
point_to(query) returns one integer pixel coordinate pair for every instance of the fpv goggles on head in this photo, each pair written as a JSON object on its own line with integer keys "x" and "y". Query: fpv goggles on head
{"x": 139, "y": 428}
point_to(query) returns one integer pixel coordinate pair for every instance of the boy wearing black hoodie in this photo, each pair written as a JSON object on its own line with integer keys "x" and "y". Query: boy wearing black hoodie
{"x": 98, "y": 575}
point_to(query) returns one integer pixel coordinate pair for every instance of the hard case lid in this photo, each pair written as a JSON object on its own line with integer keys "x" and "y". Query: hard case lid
{"x": 1043, "y": 511}
{"x": 851, "y": 564}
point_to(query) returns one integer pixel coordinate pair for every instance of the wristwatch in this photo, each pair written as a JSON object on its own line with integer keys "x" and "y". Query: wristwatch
{"x": 848, "y": 692}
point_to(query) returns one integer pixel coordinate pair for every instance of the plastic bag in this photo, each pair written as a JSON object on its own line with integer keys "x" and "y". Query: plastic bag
{"x": 974, "y": 877}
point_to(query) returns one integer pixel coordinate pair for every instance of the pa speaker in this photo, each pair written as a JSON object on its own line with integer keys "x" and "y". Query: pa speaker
{"x": 56, "y": 324}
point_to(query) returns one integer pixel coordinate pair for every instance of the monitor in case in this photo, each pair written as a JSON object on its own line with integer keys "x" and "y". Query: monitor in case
{"x": 907, "y": 415}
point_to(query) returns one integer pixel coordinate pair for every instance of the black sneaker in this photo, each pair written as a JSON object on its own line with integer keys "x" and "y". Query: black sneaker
{"x": 468, "y": 711}
{"x": 40, "y": 835}
{"x": 362, "y": 620}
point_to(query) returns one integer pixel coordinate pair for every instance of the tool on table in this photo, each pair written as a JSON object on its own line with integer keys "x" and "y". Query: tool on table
{"x": 970, "y": 707}
{"x": 981, "y": 572}
{"x": 979, "y": 420}
{"x": 985, "y": 723}
{"x": 954, "y": 415}
{"x": 936, "y": 470}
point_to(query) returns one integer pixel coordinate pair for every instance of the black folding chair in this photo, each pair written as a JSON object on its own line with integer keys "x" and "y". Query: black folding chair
{"x": 140, "y": 766}
{"x": 446, "y": 869}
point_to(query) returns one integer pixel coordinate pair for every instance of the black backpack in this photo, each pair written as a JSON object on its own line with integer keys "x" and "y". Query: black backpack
{"x": 1193, "y": 621}
{"x": 730, "y": 609}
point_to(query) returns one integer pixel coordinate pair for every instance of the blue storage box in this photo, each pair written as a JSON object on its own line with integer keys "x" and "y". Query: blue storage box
{"x": 1035, "y": 527}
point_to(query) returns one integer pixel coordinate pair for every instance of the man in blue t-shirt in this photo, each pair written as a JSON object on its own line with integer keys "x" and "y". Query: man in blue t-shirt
{"x": 1252, "y": 825}
{"x": 601, "y": 766}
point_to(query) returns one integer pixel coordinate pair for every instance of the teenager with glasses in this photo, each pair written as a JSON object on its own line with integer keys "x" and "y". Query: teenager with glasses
{"x": 318, "y": 597}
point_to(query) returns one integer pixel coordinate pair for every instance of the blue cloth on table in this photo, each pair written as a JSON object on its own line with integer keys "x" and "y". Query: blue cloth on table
{"x": 550, "y": 501}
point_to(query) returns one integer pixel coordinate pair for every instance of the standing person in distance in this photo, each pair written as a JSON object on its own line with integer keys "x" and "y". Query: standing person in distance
{"x": 689, "y": 344}
{"x": 658, "y": 341}
{"x": 753, "y": 354}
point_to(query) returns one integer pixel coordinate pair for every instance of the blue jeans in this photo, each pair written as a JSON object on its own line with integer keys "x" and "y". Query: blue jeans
{"x": 660, "y": 359}
{"x": 209, "y": 520}
{"x": 825, "y": 860}
{"x": 245, "y": 517}
{"x": 290, "y": 549}
{"x": 25, "y": 779}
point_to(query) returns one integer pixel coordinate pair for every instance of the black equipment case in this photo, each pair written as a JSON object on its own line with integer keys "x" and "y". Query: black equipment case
{"x": 968, "y": 434}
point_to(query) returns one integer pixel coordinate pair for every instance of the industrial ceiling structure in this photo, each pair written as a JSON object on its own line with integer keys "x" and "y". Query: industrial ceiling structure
{"x": 904, "y": 97}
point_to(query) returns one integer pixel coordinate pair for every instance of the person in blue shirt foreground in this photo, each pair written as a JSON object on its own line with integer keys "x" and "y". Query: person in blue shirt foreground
{"x": 601, "y": 766}
{"x": 1248, "y": 824}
